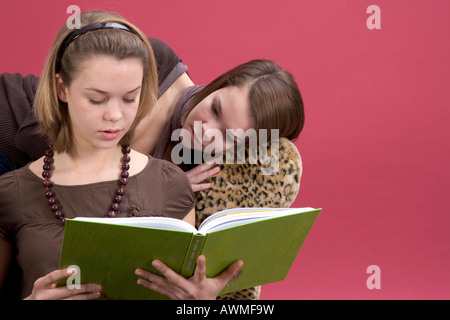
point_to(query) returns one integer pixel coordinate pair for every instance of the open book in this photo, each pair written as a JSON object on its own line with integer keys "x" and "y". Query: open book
{"x": 107, "y": 251}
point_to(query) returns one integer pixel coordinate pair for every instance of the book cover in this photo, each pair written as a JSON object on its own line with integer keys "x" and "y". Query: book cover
{"x": 107, "y": 252}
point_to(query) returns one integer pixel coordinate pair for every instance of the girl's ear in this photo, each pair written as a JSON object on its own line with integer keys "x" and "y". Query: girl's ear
{"x": 61, "y": 88}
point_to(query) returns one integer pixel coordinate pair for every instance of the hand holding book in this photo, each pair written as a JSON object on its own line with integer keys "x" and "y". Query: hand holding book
{"x": 197, "y": 287}
{"x": 45, "y": 288}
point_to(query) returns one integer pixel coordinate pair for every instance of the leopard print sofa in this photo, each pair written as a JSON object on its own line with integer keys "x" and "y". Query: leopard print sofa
{"x": 243, "y": 185}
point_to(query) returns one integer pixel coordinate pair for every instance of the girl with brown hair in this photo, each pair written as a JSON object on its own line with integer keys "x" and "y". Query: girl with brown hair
{"x": 255, "y": 95}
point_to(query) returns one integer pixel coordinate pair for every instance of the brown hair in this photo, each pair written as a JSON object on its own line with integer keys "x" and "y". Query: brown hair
{"x": 275, "y": 100}
{"x": 52, "y": 113}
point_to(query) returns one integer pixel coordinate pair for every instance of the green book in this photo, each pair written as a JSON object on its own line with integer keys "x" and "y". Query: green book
{"x": 107, "y": 251}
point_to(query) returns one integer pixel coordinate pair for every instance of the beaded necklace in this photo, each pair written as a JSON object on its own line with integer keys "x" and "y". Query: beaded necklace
{"x": 54, "y": 204}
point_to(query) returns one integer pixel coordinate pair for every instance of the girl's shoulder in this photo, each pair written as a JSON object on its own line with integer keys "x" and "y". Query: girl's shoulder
{"x": 16, "y": 179}
{"x": 16, "y": 188}
{"x": 157, "y": 168}
{"x": 164, "y": 175}
{"x": 138, "y": 162}
{"x": 148, "y": 167}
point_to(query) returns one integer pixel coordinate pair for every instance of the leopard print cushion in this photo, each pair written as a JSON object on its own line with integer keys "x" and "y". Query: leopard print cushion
{"x": 243, "y": 185}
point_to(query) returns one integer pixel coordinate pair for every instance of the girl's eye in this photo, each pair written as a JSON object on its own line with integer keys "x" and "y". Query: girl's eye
{"x": 96, "y": 101}
{"x": 214, "y": 109}
{"x": 129, "y": 100}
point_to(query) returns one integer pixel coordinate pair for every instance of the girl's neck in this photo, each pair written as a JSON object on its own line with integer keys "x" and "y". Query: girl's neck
{"x": 83, "y": 166}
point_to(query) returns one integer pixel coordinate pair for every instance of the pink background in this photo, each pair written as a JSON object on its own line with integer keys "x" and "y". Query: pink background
{"x": 375, "y": 146}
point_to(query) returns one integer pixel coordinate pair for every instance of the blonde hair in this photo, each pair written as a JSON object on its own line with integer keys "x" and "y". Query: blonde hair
{"x": 52, "y": 113}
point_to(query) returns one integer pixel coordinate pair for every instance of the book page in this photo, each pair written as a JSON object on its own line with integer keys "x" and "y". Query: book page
{"x": 164, "y": 223}
{"x": 239, "y": 216}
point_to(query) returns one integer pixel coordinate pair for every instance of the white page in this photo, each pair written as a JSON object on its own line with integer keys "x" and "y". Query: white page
{"x": 234, "y": 217}
{"x": 147, "y": 222}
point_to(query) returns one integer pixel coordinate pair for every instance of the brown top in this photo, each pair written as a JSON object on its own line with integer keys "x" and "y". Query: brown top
{"x": 26, "y": 221}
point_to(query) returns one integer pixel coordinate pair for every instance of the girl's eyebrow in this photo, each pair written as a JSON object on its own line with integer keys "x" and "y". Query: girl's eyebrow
{"x": 104, "y": 92}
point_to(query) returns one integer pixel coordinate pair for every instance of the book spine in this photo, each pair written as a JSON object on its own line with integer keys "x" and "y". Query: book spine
{"x": 193, "y": 252}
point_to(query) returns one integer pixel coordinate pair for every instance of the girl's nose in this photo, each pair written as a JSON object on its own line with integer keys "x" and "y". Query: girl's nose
{"x": 113, "y": 111}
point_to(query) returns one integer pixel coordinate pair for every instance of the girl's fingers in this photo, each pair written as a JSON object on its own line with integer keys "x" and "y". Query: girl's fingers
{"x": 86, "y": 296}
{"x": 202, "y": 172}
{"x": 147, "y": 275}
{"x": 159, "y": 284}
{"x": 200, "y": 187}
{"x": 176, "y": 286}
{"x": 45, "y": 287}
{"x": 170, "y": 275}
{"x": 230, "y": 271}
{"x": 82, "y": 292}
{"x": 200, "y": 269}
{"x": 49, "y": 281}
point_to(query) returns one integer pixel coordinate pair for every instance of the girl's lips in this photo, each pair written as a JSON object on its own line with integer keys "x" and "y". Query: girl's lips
{"x": 110, "y": 134}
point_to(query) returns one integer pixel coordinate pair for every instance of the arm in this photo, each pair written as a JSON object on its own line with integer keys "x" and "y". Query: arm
{"x": 190, "y": 217}
{"x": 18, "y": 127}
{"x": 148, "y": 132}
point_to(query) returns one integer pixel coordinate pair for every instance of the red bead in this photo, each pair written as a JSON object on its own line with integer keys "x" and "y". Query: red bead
{"x": 49, "y": 194}
{"x": 123, "y": 181}
{"x": 46, "y": 174}
{"x": 118, "y": 199}
{"x": 115, "y": 207}
{"x": 59, "y": 214}
{"x": 125, "y": 166}
{"x": 126, "y": 149}
{"x": 120, "y": 191}
{"x": 111, "y": 214}
{"x": 126, "y": 158}
{"x": 47, "y": 167}
{"x": 124, "y": 174}
{"x": 49, "y": 153}
{"x": 55, "y": 207}
{"x": 51, "y": 201}
{"x": 47, "y": 160}
{"x": 46, "y": 183}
